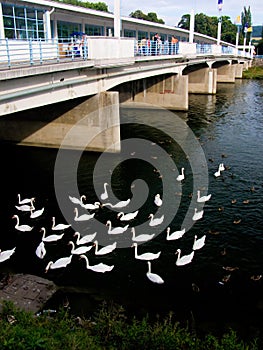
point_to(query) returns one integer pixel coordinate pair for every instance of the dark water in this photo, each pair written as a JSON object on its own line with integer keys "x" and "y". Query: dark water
{"x": 227, "y": 128}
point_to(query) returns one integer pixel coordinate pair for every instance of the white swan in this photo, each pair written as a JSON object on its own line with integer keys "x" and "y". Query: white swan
{"x": 24, "y": 201}
{"x": 183, "y": 260}
{"x": 84, "y": 239}
{"x": 79, "y": 250}
{"x": 142, "y": 237}
{"x": 23, "y": 228}
{"x": 104, "y": 195}
{"x": 198, "y": 215}
{"x": 26, "y": 207}
{"x": 203, "y": 198}
{"x": 115, "y": 230}
{"x": 120, "y": 204}
{"x": 155, "y": 221}
{"x": 76, "y": 200}
{"x": 199, "y": 243}
{"x": 174, "y": 235}
{"x": 41, "y": 250}
{"x": 83, "y": 217}
{"x": 153, "y": 276}
{"x": 90, "y": 206}
{"x": 97, "y": 268}
{"x": 59, "y": 226}
{"x": 221, "y": 167}
{"x": 180, "y": 177}
{"x": 128, "y": 216}
{"x": 217, "y": 173}
{"x": 104, "y": 250}
{"x": 36, "y": 213}
{"x": 50, "y": 238}
{"x": 62, "y": 262}
{"x": 6, "y": 254}
{"x": 145, "y": 256}
{"x": 157, "y": 200}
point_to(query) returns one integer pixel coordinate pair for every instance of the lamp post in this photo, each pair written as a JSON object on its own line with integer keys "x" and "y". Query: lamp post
{"x": 220, "y": 6}
{"x": 117, "y": 19}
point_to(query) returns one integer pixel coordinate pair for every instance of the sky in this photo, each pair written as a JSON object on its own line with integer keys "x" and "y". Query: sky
{"x": 171, "y": 11}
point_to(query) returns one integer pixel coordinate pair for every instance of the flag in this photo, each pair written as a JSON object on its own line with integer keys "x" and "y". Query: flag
{"x": 249, "y": 29}
{"x": 238, "y": 20}
{"x": 220, "y": 4}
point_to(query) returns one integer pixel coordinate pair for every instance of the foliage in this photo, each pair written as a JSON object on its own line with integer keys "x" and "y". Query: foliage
{"x": 208, "y": 26}
{"x": 99, "y": 6}
{"x": 255, "y": 72}
{"x": 109, "y": 329}
{"x": 151, "y": 16}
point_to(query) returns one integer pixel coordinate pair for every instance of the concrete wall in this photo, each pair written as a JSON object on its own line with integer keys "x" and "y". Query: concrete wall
{"x": 92, "y": 125}
{"x": 202, "y": 81}
{"x": 226, "y": 74}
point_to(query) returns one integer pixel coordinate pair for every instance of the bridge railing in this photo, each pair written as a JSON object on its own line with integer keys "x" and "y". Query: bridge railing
{"x": 16, "y": 53}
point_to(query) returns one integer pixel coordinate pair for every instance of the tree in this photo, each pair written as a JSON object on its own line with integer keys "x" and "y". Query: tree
{"x": 151, "y": 16}
{"x": 99, "y": 6}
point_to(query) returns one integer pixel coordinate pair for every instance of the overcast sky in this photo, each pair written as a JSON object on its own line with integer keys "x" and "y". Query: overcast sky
{"x": 171, "y": 11}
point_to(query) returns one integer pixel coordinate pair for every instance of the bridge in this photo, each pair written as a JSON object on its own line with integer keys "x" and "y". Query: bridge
{"x": 112, "y": 73}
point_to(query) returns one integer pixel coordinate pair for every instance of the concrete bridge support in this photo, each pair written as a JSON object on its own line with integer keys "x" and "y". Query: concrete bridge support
{"x": 170, "y": 92}
{"x": 202, "y": 81}
{"x": 239, "y": 70}
{"x": 92, "y": 125}
{"x": 226, "y": 74}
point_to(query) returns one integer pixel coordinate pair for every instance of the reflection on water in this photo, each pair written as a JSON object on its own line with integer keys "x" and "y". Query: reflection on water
{"x": 216, "y": 288}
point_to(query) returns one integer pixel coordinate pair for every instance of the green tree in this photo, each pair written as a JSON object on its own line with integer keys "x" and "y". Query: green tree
{"x": 99, "y": 6}
{"x": 151, "y": 16}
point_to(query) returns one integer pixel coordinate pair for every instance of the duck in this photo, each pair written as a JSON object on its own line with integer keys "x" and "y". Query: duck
{"x": 104, "y": 195}
{"x": 115, "y": 230}
{"x": 145, "y": 256}
{"x": 120, "y": 204}
{"x": 84, "y": 239}
{"x": 203, "y": 198}
{"x": 6, "y": 254}
{"x": 80, "y": 250}
{"x": 199, "y": 243}
{"x": 23, "y": 228}
{"x": 98, "y": 267}
{"x": 59, "y": 226}
{"x": 157, "y": 200}
{"x": 142, "y": 237}
{"x": 104, "y": 250}
{"x": 185, "y": 259}
{"x": 128, "y": 216}
{"x": 174, "y": 235}
{"x": 25, "y": 200}
{"x": 198, "y": 215}
{"x": 50, "y": 238}
{"x": 83, "y": 217}
{"x": 61, "y": 262}
{"x": 181, "y": 176}
{"x": 153, "y": 277}
{"x": 41, "y": 250}
{"x": 155, "y": 221}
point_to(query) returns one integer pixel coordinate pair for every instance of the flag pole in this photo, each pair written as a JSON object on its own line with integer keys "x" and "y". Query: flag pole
{"x": 220, "y": 5}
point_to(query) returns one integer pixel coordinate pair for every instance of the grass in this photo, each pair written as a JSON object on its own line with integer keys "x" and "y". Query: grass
{"x": 109, "y": 329}
{"x": 255, "y": 72}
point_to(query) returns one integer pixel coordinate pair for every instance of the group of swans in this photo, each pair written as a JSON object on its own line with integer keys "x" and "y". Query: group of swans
{"x": 24, "y": 206}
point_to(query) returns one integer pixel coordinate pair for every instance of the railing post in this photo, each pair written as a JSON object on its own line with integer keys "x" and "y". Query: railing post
{"x": 40, "y": 51}
{"x": 31, "y": 52}
{"x": 7, "y": 53}
{"x": 85, "y": 49}
{"x": 57, "y": 50}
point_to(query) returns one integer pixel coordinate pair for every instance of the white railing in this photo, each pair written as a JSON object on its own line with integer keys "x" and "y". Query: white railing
{"x": 14, "y": 53}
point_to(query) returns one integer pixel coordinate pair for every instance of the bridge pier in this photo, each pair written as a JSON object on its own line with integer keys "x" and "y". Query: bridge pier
{"x": 169, "y": 92}
{"x": 202, "y": 81}
{"x": 92, "y": 125}
{"x": 226, "y": 74}
{"x": 239, "y": 70}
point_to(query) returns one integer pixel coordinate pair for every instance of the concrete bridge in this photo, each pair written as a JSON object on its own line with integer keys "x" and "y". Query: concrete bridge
{"x": 98, "y": 85}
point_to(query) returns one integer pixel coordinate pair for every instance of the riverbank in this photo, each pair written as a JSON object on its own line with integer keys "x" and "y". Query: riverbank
{"x": 254, "y": 72}
{"x": 109, "y": 328}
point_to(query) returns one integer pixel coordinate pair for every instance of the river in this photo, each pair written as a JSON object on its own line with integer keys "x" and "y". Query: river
{"x": 222, "y": 286}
